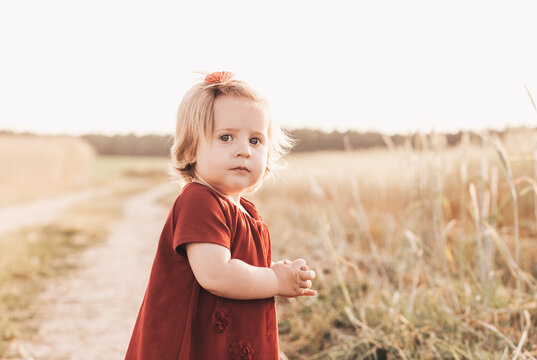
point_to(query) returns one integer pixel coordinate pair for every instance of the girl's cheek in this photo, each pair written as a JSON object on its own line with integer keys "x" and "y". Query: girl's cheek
{"x": 262, "y": 148}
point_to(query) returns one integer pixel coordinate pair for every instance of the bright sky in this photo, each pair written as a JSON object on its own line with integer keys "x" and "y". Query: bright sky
{"x": 393, "y": 66}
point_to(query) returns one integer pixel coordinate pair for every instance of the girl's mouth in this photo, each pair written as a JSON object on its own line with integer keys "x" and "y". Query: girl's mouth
{"x": 241, "y": 168}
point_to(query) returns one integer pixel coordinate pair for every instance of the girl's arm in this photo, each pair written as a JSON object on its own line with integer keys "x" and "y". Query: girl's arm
{"x": 223, "y": 276}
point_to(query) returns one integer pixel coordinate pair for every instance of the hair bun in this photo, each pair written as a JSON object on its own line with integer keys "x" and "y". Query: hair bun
{"x": 218, "y": 77}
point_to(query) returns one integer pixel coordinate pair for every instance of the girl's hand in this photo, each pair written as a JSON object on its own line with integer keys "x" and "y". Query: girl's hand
{"x": 294, "y": 278}
{"x": 308, "y": 275}
{"x": 286, "y": 262}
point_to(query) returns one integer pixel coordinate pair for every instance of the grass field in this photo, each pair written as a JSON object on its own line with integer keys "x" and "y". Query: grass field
{"x": 38, "y": 167}
{"x": 420, "y": 253}
{"x": 34, "y": 166}
{"x": 107, "y": 167}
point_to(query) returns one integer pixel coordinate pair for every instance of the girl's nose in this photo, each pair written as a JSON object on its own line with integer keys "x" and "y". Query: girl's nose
{"x": 243, "y": 149}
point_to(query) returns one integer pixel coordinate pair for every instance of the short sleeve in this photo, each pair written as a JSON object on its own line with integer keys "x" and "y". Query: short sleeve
{"x": 200, "y": 218}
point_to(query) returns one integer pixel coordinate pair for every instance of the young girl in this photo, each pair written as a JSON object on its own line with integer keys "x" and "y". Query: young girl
{"x": 212, "y": 286}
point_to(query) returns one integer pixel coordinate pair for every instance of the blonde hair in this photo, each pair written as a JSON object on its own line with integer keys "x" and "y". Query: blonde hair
{"x": 195, "y": 118}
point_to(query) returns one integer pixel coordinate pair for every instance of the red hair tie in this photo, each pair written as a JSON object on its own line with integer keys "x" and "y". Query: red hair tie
{"x": 218, "y": 77}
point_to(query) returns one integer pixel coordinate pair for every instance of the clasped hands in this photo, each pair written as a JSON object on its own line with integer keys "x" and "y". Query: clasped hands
{"x": 294, "y": 278}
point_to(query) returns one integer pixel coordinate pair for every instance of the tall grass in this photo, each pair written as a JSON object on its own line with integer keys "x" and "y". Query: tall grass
{"x": 402, "y": 272}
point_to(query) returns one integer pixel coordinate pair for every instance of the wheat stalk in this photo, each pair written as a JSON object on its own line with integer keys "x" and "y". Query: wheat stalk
{"x": 534, "y": 156}
{"x": 506, "y": 166}
{"x": 479, "y": 232}
{"x": 524, "y": 336}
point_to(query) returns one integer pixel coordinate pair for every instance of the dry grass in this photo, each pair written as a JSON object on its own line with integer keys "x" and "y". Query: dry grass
{"x": 419, "y": 252}
{"x": 33, "y": 166}
{"x": 144, "y": 167}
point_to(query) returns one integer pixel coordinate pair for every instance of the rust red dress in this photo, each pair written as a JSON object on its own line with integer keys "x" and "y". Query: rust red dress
{"x": 179, "y": 319}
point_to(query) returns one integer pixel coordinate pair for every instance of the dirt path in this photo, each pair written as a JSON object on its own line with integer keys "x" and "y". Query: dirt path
{"x": 91, "y": 313}
{"x": 42, "y": 211}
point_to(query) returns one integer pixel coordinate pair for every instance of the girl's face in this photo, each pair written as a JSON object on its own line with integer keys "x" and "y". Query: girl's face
{"x": 235, "y": 158}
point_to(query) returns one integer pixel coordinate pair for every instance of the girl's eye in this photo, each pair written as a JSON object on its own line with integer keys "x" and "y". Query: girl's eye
{"x": 225, "y": 138}
{"x": 254, "y": 141}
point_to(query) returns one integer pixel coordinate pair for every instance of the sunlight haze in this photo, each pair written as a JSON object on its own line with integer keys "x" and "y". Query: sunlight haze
{"x": 396, "y": 67}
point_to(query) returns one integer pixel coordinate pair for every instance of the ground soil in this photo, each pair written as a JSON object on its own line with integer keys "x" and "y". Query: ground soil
{"x": 90, "y": 313}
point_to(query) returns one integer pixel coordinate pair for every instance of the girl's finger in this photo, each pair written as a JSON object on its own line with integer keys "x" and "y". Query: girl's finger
{"x": 309, "y": 292}
{"x": 305, "y": 284}
{"x": 306, "y": 275}
{"x": 299, "y": 263}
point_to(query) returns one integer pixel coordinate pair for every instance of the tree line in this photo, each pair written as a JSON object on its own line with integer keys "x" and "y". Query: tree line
{"x": 305, "y": 140}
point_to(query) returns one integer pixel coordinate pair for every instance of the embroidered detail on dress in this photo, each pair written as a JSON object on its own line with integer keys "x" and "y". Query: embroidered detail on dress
{"x": 221, "y": 320}
{"x": 241, "y": 350}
